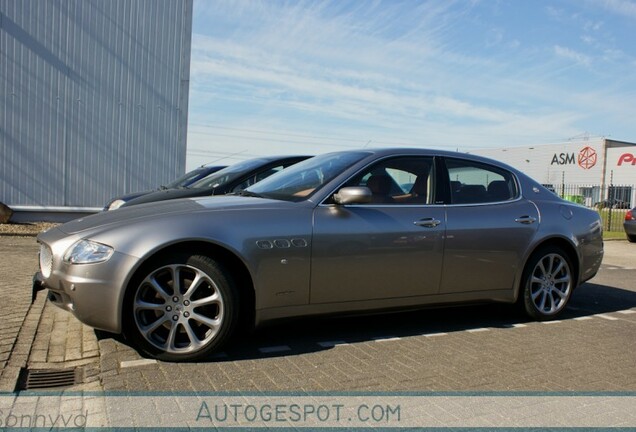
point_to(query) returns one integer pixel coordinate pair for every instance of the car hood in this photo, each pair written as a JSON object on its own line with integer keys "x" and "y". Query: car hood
{"x": 169, "y": 194}
{"x": 134, "y": 195}
{"x": 168, "y": 209}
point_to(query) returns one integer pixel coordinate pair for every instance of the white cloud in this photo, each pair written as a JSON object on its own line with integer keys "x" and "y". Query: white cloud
{"x": 622, "y": 7}
{"x": 391, "y": 73}
{"x": 572, "y": 55}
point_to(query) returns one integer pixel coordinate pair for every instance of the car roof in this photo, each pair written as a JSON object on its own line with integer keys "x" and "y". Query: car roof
{"x": 396, "y": 151}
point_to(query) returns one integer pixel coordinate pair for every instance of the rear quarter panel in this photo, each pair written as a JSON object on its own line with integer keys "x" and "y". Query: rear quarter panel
{"x": 580, "y": 227}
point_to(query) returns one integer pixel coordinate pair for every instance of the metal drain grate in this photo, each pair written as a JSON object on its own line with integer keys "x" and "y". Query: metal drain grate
{"x": 31, "y": 379}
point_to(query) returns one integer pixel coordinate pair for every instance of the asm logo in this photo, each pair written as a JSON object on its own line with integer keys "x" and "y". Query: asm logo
{"x": 586, "y": 158}
{"x": 627, "y": 158}
{"x": 563, "y": 159}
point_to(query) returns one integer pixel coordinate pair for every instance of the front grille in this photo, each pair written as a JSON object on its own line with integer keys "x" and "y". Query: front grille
{"x": 46, "y": 260}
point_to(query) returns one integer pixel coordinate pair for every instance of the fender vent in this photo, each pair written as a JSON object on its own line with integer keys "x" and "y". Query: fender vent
{"x": 31, "y": 379}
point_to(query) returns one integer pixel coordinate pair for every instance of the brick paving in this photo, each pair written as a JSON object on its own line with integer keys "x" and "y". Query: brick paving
{"x": 487, "y": 348}
{"x": 18, "y": 262}
{"x": 39, "y": 336}
{"x": 571, "y": 355}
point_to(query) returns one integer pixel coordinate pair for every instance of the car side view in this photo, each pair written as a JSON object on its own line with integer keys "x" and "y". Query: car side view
{"x": 354, "y": 231}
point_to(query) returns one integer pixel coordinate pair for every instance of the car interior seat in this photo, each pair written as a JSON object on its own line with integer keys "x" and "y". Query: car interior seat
{"x": 380, "y": 186}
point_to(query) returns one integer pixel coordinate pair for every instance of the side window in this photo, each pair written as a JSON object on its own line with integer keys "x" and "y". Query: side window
{"x": 474, "y": 183}
{"x": 404, "y": 180}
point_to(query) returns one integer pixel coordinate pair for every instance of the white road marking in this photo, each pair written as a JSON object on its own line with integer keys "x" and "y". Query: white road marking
{"x": 387, "y": 339}
{"x": 478, "y": 330}
{"x": 627, "y": 312}
{"x": 583, "y": 318}
{"x": 435, "y": 334}
{"x": 331, "y": 344}
{"x": 551, "y": 322}
{"x": 133, "y": 363}
{"x": 519, "y": 325}
{"x": 607, "y": 317}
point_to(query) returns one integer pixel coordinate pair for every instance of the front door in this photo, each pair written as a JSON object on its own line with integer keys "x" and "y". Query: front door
{"x": 389, "y": 248}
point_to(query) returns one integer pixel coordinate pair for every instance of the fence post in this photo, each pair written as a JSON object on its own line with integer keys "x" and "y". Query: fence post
{"x": 610, "y": 199}
{"x": 563, "y": 184}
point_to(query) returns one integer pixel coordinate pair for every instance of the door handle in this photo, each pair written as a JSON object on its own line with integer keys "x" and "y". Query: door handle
{"x": 428, "y": 222}
{"x": 526, "y": 220}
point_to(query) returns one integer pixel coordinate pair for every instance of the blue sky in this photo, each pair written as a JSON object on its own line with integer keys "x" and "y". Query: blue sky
{"x": 278, "y": 77}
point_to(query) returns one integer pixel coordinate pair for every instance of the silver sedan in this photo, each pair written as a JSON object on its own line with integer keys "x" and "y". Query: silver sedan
{"x": 354, "y": 231}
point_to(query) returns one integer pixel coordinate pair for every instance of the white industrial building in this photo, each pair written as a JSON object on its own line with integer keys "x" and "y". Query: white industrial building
{"x": 594, "y": 168}
{"x": 93, "y": 101}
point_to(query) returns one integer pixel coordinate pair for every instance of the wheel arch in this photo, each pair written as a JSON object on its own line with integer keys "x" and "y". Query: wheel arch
{"x": 561, "y": 242}
{"x": 240, "y": 272}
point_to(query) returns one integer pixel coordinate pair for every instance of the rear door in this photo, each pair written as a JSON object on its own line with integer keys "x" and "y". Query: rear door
{"x": 489, "y": 228}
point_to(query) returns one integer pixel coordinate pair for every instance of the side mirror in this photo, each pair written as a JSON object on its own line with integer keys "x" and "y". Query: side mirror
{"x": 353, "y": 195}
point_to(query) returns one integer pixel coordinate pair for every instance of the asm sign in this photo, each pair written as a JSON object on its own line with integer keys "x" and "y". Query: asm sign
{"x": 627, "y": 158}
{"x": 586, "y": 158}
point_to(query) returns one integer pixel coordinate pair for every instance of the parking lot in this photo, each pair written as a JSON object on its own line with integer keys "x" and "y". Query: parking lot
{"x": 473, "y": 348}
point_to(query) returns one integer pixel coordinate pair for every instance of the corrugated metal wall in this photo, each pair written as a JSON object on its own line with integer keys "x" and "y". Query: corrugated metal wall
{"x": 93, "y": 98}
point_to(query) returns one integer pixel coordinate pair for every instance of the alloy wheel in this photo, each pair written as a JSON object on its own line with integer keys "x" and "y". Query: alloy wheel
{"x": 550, "y": 284}
{"x": 178, "y": 309}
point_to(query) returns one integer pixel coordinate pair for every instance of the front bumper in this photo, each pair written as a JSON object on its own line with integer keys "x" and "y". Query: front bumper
{"x": 94, "y": 293}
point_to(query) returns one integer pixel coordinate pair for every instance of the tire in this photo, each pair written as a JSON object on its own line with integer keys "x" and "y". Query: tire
{"x": 185, "y": 324}
{"x": 547, "y": 283}
{"x": 631, "y": 238}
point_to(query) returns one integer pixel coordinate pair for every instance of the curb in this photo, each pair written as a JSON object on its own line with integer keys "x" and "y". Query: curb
{"x": 22, "y": 345}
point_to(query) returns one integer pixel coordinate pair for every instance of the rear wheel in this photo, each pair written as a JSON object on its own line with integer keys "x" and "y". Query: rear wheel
{"x": 631, "y": 238}
{"x": 182, "y": 307}
{"x": 547, "y": 283}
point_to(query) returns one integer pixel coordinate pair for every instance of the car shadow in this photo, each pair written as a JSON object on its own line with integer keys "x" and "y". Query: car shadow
{"x": 314, "y": 334}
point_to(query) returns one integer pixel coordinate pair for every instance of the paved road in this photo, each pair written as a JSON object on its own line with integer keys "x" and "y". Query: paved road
{"x": 18, "y": 262}
{"x": 486, "y": 348}
{"x": 490, "y": 347}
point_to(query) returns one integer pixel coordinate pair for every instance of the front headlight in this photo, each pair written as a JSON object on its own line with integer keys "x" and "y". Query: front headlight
{"x": 116, "y": 204}
{"x": 88, "y": 252}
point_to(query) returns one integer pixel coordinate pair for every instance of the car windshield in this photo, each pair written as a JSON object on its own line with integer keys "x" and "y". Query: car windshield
{"x": 300, "y": 181}
{"x": 228, "y": 174}
{"x": 186, "y": 179}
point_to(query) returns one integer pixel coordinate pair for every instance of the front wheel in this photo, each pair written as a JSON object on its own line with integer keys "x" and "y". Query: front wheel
{"x": 182, "y": 307}
{"x": 547, "y": 283}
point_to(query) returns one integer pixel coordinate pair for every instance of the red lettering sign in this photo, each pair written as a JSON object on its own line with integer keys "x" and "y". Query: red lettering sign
{"x": 627, "y": 158}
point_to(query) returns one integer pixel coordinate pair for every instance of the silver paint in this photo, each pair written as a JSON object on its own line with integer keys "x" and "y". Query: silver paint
{"x": 313, "y": 257}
